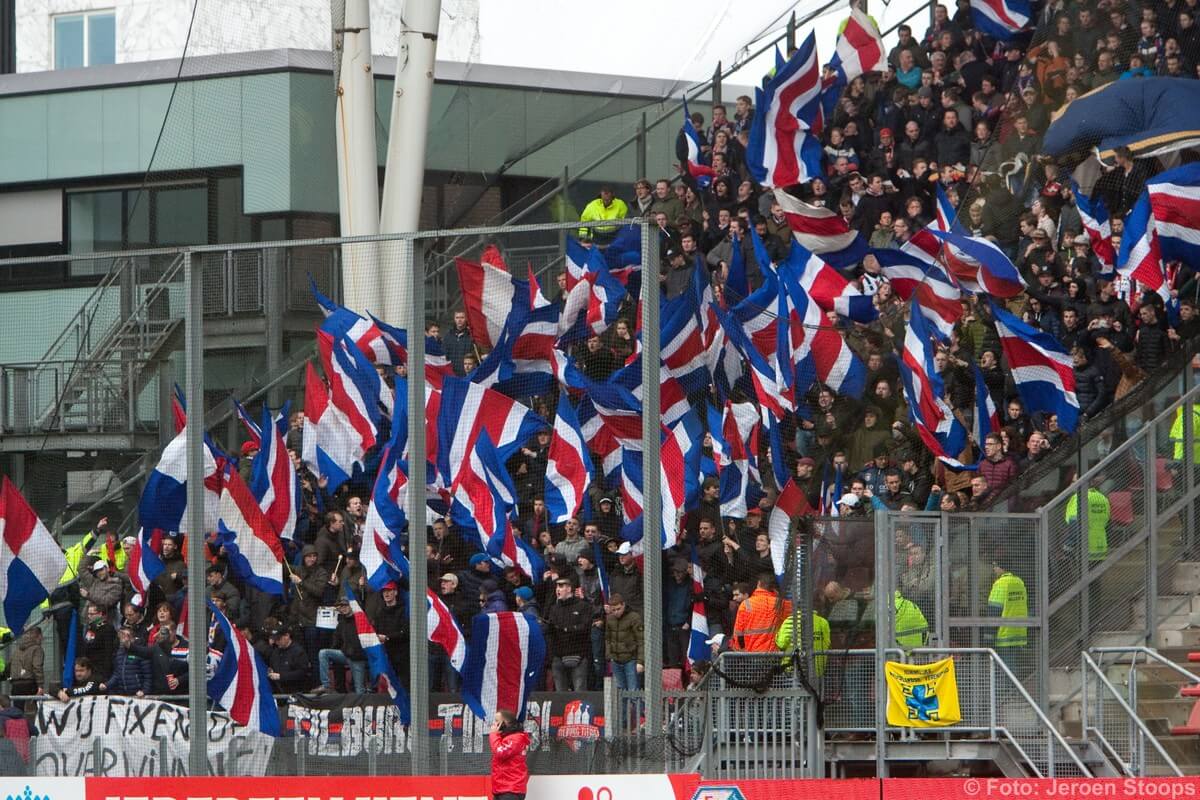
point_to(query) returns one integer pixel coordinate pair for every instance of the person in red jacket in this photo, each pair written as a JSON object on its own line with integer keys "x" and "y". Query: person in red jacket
{"x": 509, "y": 743}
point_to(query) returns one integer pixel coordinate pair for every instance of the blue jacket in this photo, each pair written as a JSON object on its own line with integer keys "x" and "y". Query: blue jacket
{"x": 130, "y": 674}
{"x": 678, "y": 598}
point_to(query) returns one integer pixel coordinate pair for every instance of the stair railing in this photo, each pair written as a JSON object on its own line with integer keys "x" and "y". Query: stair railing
{"x": 1111, "y": 720}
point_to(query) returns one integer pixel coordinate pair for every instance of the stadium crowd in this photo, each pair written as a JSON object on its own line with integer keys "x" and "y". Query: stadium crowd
{"x": 953, "y": 109}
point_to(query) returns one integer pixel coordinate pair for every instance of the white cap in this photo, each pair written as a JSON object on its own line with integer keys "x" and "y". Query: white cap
{"x": 624, "y": 549}
{"x": 129, "y": 540}
{"x": 848, "y": 499}
{"x": 717, "y": 640}
{"x": 99, "y": 565}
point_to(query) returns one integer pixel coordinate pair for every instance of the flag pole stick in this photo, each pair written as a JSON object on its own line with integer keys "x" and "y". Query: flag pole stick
{"x": 295, "y": 586}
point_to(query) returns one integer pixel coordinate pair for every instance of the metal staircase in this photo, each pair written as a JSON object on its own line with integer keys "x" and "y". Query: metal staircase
{"x": 86, "y": 388}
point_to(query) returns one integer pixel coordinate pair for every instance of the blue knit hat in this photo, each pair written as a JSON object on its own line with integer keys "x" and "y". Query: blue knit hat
{"x": 524, "y": 592}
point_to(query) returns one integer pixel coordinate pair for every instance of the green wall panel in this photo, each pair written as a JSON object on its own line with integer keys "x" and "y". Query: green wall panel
{"x": 219, "y": 122}
{"x": 121, "y": 143}
{"x": 313, "y": 144}
{"x": 266, "y": 144}
{"x": 23, "y": 139}
{"x": 74, "y": 134}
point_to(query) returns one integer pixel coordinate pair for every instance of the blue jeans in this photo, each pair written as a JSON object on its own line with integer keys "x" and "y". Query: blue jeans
{"x": 441, "y": 672}
{"x": 358, "y": 669}
{"x": 597, "y": 680}
{"x": 626, "y": 675}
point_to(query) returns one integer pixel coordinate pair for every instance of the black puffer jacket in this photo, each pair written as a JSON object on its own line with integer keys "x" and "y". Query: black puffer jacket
{"x": 1089, "y": 390}
{"x": 569, "y": 623}
{"x": 1152, "y": 347}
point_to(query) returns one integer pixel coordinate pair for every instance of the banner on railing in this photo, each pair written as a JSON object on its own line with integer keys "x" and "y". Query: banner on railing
{"x": 337, "y": 726}
{"x": 129, "y": 730}
{"x": 394, "y": 787}
{"x": 921, "y": 695}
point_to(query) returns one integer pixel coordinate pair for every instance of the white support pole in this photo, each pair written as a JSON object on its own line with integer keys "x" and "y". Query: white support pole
{"x": 405, "y": 176}
{"x": 358, "y": 172}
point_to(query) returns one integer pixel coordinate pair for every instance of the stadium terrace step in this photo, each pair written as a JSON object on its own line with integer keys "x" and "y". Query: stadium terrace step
{"x": 1185, "y": 577}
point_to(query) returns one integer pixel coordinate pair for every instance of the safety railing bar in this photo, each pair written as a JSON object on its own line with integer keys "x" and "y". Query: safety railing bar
{"x": 109, "y": 278}
{"x": 1028, "y": 759}
{"x": 1150, "y": 653}
{"x": 1089, "y": 664}
{"x": 1110, "y": 751}
{"x": 1114, "y": 557}
{"x": 1084, "y": 479}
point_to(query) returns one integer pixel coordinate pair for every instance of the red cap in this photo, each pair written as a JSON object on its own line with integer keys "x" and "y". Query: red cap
{"x": 885, "y": 132}
{"x": 390, "y": 585}
{"x": 249, "y": 446}
{"x": 755, "y": 512}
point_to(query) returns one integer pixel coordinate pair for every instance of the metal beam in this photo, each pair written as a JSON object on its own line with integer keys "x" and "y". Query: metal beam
{"x": 193, "y": 281}
{"x": 651, "y": 486}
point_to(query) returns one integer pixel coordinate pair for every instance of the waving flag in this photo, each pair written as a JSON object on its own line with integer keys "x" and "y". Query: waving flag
{"x": 791, "y": 504}
{"x": 829, "y": 288}
{"x": 1141, "y": 257}
{"x": 382, "y": 558}
{"x": 254, "y": 549}
{"x": 340, "y": 322}
{"x": 931, "y": 415}
{"x": 503, "y": 664}
{"x": 178, "y": 408}
{"x": 568, "y": 467}
{"x": 437, "y": 366}
{"x": 484, "y": 495}
{"x": 273, "y": 479}
{"x": 30, "y": 560}
{"x": 734, "y": 474}
{"x": 823, "y": 354}
{"x": 763, "y": 376}
{"x": 490, "y": 295}
{"x": 859, "y": 48}
{"x": 163, "y": 504}
{"x": 329, "y": 442}
{"x": 682, "y": 343}
{"x": 1175, "y": 201}
{"x": 937, "y": 296}
{"x": 466, "y": 410}
{"x": 831, "y": 492}
{"x": 923, "y": 244}
{"x": 239, "y": 683}
{"x": 822, "y": 231}
{"x": 698, "y": 649}
{"x": 695, "y": 160}
{"x": 1094, "y": 215}
{"x": 144, "y": 563}
{"x": 443, "y": 630}
{"x": 253, "y": 431}
{"x": 1000, "y": 19}
{"x": 980, "y": 266}
{"x": 377, "y": 660}
{"x": 1041, "y": 369}
{"x": 354, "y": 388}
{"x": 784, "y": 146}
{"x": 68, "y": 666}
{"x": 513, "y": 551}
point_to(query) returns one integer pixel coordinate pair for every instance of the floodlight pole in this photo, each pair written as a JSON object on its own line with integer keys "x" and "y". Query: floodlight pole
{"x": 404, "y": 178}
{"x": 357, "y": 158}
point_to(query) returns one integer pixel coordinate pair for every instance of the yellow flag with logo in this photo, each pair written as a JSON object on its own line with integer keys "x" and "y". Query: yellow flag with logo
{"x": 922, "y": 695}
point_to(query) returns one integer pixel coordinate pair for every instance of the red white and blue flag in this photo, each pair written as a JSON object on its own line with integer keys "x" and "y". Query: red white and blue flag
{"x": 682, "y": 343}
{"x": 253, "y": 431}
{"x": 698, "y": 649}
{"x": 931, "y": 415}
{"x": 504, "y": 661}
{"x": 437, "y": 366}
{"x": 443, "y": 630}
{"x": 979, "y": 266}
{"x": 938, "y": 297}
{"x": 340, "y": 322}
{"x": 821, "y": 231}
{"x": 1001, "y": 19}
{"x": 1041, "y": 369}
{"x": 354, "y": 389}
{"x": 785, "y": 145}
{"x": 790, "y": 505}
{"x": 484, "y": 496}
{"x": 568, "y": 467}
{"x": 828, "y": 287}
{"x": 1175, "y": 201}
{"x": 330, "y": 446}
{"x": 163, "y": 504}
{"x": 1094, "y": 216}
{"x": 859, "y": 48}
{"x": 490, "y": 296}
{"x": 467, "y": 410}
{"x": 273, "y": 478}
{"x": 31, "y": 562}
{"x": 382, "y": 558}
{"x": 254, "y": 548}
{"x": 377, "y": 660}
{"x": 178, "y": 409}
{"x": 239, "y": 682}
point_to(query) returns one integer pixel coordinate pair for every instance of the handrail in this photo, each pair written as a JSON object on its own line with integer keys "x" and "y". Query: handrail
{"x": 1150, "y": 653}
{"x": 1082, "y": 481}
{"x": 107, "y": 281}
{"x": 998, "y": 663}
{"x": 1088, "y": 665}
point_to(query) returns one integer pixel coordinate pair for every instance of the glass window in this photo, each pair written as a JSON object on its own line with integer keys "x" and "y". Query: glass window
{"x": 102, "y": 39}
{"x": 94, "y": 223}
{"x": 85, "y": 40}
{"x": 232, "y": 224}
{"x": 68, "y": 42}
{"x": 181, "y": 216}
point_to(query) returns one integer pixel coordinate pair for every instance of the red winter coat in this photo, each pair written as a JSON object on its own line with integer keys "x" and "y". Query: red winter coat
{"x": 509, "y": 771}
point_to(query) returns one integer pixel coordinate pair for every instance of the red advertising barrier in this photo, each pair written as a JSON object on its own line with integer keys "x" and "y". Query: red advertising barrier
{"x": 452, "y": 787}
{"x": 1040, "y": 788}
{"x": 824, "y": 789}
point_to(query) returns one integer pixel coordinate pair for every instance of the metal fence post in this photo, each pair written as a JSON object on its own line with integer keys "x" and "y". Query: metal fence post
{"x": 651, "y": 488}
{"x": 412, "y": 269}
{"x": 1044, "y": 604}
{"x": 641, "y": 148}
{"x": 884, "y": 607}
{"x": 1150, "y": 480}
{"x": 193, "y": 281}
